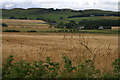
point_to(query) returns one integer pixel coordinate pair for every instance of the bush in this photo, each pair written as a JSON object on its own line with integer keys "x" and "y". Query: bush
{"x": 12, "y": 17}
{"x": 11, "y": 31}
{"x": 32, "y": 31}
{"x": 4, "y": 25}
{"x": 50, "y": 69}
{"x": 22, "y": 69}
{"x": 116, "y": 65}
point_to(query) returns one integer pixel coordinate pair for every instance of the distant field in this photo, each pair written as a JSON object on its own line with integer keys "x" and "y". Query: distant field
{"x": 94, "y": 18}
{"x": 25, "y": 23}
{"x": 57, "y": 30}
{"x": 109, "y": 31}
{"x": 116, "y": 28}
{"x": 41, "y": 26}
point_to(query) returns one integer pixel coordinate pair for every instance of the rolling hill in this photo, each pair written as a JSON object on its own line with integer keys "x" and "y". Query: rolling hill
{"x": 58, "y": 15}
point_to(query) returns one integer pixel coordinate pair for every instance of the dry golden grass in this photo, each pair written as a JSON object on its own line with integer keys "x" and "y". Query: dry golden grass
{"x": 102, "y": 49}
{"x": 25, "y": 23}
{"x": 115, "y": 28}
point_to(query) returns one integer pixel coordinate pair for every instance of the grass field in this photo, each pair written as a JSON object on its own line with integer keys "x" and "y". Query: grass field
{"x": 94, "y": 18}
{"x": 34, "y": 47}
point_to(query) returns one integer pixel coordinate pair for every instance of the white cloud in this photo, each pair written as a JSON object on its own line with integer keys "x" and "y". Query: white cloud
{"x": 9, "y": 5}
{"x": 73, "y": 4}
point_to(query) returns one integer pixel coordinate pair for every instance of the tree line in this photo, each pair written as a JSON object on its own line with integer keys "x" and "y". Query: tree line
{"x": 95, "y": 14}
{"x": 89, "y": 24}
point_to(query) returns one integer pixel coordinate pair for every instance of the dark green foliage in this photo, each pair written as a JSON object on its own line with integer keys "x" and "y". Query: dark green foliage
{"x": 4, "y": 25}
{"x": 116, "y": 65}
{"x": 61, "y": 17}
{"x": 61, "y": 25}
{"x": 53, "y": 68}
{"x": 115, "y": 73}
{"x": 32, "y": 31}
{"x": 38, "y": 70}
{"x": 50, "y": 69}
{"x": 95, "y": 24}
{"x": 108, "y": 75}
{"x": 19, "y": 70}
{"x": 68, "y": 64}
{"x": 7, "y": 66}
{"x": 12, "y": 17}
{"x": 87, "y": 70}
{"x": 93, "y": 12}
{"x": 89, "y": 24}
{"x": 11, "y": 31}
{"x": 71, "y": 25}
{"x": 23, "y": 18}
{"x": 24, "y": 69}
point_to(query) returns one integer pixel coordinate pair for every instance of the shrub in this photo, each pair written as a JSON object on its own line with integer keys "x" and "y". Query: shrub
{"x": 4, "y": 25}
{"x": 116, "y": 71}
{"x": 11, "y": 31}
{"x": 50, "y": 69}
{"x": 116, "y": 65}
{"x": 87, "y": 70}
{"x": 7, "y": 66}
{"x": 22, "y": 69}
{"x": 12, "y": 17}
{"x": 68, "y": 68}
{"x": 32, "y": 31}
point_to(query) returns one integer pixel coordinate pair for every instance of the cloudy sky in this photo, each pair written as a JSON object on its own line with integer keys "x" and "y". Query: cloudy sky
{"x": 72, "y": 4}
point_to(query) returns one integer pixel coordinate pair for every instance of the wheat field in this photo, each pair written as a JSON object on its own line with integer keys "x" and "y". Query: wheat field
{"x": 101, "y": 48}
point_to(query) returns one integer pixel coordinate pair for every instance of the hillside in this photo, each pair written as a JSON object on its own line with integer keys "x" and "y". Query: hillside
{"x": 58, "y": 15}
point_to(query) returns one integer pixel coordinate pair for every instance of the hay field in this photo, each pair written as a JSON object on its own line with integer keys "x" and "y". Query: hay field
{"x": 101, "y": 48}
{"x": 25, "y": 23}
{"x": 116, "y": 28}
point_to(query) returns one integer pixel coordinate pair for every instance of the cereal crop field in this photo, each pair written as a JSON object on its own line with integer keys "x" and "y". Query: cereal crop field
{"x": 102, "y": 48}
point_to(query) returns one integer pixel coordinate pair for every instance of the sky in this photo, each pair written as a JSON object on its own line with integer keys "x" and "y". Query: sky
{"x": 61, "y": 4}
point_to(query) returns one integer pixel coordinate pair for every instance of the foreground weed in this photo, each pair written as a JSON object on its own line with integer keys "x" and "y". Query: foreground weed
{"x": 50, "y": 69}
